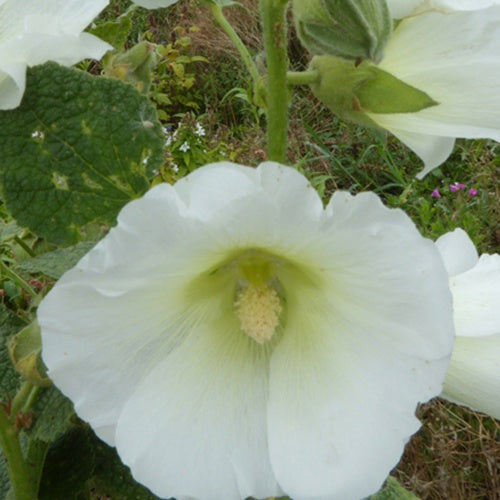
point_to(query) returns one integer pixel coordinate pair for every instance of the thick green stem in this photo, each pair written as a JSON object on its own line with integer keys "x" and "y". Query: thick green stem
{"x": 19, "y": 471}
{"x": 273, "y": 14}
{"x": 302, "y": 77}
{"x": 240, "y": 46}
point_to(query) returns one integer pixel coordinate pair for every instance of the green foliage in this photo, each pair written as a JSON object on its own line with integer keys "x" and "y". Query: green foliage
{"x": 55, "y": 263}
{"x": 173, "y": 88}
{"x": 76, "y": 150}
{"x": 188, "y": 149}
{"x": 115, "y": 31}
{"x": 393, "y": 491}
{"x": 10, "y": 324}
{"x": 53, "y": 416}
{"x": 79, "y": 465}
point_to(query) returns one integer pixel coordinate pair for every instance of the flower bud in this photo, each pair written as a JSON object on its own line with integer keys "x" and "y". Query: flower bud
{"x": 134, "y": 65}
{"x": 352, "y": 29}
{"x": 351, "y": 91}
{"x": 24, "y": 350}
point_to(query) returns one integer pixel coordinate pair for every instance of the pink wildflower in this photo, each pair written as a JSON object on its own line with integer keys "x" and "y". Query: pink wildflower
{"x": 437, "y": 194}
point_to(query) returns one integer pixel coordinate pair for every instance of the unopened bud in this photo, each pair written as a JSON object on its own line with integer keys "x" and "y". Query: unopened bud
{"x": 134, "y": 65}
{"x": 352, "y": 29}
{"x": 25, "y": 350}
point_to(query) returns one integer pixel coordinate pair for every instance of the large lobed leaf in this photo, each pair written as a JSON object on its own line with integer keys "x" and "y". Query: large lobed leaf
{"x": 75, "y": 151}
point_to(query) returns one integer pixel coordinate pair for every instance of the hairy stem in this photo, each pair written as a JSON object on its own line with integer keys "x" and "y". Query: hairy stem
{"x": 273, "y": 14}
{"x": 302, "y": 77}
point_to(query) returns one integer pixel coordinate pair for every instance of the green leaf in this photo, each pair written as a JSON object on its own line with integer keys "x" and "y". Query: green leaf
{"x": 113, "y": 479}
{"x": 79, "y": 464}
{"x": 75, "y": 151}
{"x": 4, "y": 478}
{"x": 393, "y": 491}
{"x": 53, "y": 416}
{"x": 68, "y": 465}
{"x": 9, "y": 230}
{"x": 54, "y": 264}
{"x": 9, "y": 378}
{"x": 115, "y": 32}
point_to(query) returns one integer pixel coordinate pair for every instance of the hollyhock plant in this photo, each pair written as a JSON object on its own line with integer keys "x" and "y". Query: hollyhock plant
{"x": 33, "y": 32}
{"x": 450, "y": 51}
{"x": 233, "y": 338}
{"x": 473, "y": 378}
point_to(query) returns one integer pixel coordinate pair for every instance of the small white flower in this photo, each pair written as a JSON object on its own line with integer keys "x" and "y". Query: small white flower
{"x": 175, "y": 167}
{"x": 473, "y": 378}
{"x": 33, "y": 32}
{"x": 233, "y": 338}
{"x": 451, "y": 51}
{"x": 199, "y": 130}
{"x": 185, "y": 147}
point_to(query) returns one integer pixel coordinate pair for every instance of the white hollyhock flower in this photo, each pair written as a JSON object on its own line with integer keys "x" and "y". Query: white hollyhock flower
{"x": 233, "y": 338}
{"x": 473, "y": 378}
{"x": 407, "y": 8}
{"x": 452, "y": 53}
{"x": 35, "y": 31}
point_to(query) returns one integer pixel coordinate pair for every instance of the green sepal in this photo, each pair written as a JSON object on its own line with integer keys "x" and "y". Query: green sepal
{"x": 25, "y": 353}
{"x": 350, "y": 90}
{"x": 352, "y": 29}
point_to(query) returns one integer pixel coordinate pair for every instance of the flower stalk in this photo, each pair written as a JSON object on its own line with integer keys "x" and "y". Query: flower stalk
{"x": 302, "y": 77}
{"x": 238, "y": 43}
{"x": 273, "y": 14}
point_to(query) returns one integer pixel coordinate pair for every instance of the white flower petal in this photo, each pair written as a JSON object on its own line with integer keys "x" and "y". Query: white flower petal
{"x": 43, "y": 31}
{"x": 473, "y": 378}
{"x": 462, "y": 76}
{"x": 405, "y": 8}
{"x": 476, "y": 298}
{"x": 433, "y": 150}
{"x": 346, "y": 377}
{"x": 204, "y": 433}
{"x": 458, "y": 252}
{"x": 154, "y": 4}
{"x": 12, "y": 84}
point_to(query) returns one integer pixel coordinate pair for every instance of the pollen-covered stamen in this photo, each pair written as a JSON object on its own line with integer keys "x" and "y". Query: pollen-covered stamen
{"x": 258, "y": 308}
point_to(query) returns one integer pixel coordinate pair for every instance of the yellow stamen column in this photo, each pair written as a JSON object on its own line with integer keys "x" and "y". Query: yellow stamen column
{"x": 258, "y": 308}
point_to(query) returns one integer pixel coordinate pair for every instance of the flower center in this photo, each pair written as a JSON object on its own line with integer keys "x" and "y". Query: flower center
{"x": 258, "y": 307}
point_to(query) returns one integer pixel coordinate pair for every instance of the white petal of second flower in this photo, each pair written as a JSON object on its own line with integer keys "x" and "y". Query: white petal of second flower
{"x": 455, "y": 59}
{"x": 476, "y": 298}
{"x": 433, "y": 150}
{"x": 458, "y": 252}
{"x": 405, "y": 8}
{"x": 358, "y": 356}
{"x": 473, "y": 378}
